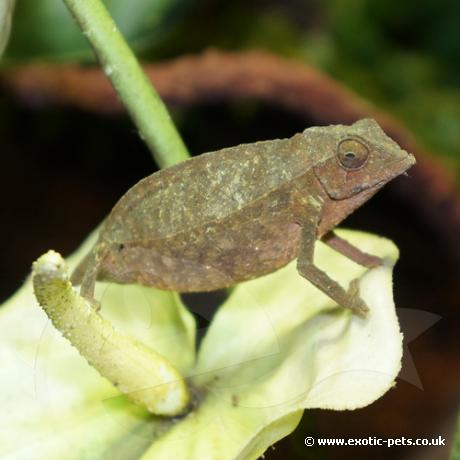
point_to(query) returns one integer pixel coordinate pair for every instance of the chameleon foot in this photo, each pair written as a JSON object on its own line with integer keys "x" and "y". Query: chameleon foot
{"x": 355, "y": 303}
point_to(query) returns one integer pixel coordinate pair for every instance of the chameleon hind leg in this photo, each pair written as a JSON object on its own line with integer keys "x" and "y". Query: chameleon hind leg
{"x": 86, "y": 275}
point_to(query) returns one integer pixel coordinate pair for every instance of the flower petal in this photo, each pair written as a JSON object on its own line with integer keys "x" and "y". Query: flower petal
{"x": 52, "y": 399}
{"x": 276, "y": 347}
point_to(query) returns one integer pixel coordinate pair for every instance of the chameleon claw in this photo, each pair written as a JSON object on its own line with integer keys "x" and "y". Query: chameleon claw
{"x": 356, "y": 304}
{"x": 95, "y": 304}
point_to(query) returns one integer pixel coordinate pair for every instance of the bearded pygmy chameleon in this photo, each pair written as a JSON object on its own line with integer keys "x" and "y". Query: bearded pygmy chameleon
{"x": 242, "y": 212}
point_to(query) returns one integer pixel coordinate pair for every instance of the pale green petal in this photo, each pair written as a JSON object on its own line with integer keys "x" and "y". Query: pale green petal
{"x": 157, "y": 318}
{"x": 52, "y": 398}
{"x": 276, "y": 347}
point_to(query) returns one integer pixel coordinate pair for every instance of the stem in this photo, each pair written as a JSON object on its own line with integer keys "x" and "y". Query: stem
{"x": 130, "y": 82}
{"x": 144, "y": 376}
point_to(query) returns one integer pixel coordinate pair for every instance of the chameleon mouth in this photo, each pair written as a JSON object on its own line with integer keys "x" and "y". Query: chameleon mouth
{"x": 396, "y": 169}
{"x": 393, "y": 170}
{"x": 346, "y": 189}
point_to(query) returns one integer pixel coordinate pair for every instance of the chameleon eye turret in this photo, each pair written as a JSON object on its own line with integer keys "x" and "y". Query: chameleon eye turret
{"x": 352, "y": 153}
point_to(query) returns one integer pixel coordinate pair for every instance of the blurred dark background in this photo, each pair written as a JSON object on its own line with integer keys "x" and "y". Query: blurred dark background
{"x": 62, "y": 168}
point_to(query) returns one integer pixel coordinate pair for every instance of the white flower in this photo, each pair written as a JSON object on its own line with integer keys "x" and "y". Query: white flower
{"x": 277, "y": 346}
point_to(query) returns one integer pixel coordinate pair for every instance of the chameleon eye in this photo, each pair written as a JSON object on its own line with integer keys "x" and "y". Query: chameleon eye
{"x": 352, "y": 154}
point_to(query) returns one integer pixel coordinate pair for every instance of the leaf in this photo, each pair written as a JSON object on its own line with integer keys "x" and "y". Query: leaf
{"x": 6, "y": 13}
{"x": 276, "y": 347}
{"x": 45, "y": 28}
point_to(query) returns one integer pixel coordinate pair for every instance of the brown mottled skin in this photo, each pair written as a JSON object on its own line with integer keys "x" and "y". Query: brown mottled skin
{"x": 242, "y": 212}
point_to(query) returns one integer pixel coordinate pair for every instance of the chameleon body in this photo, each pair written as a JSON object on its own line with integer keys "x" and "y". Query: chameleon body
{"x": 241, "y": 212}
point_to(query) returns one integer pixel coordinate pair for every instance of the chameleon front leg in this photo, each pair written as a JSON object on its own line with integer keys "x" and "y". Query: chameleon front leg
{"x": 306, "y": 267}
{"x": 350, "y": 251}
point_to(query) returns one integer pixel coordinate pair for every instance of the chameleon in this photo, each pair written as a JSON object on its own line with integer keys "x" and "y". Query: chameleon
{"x": 236, "y": 214}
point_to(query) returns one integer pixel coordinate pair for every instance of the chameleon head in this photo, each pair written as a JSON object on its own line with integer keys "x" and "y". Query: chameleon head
{"x": 359, "y": 158}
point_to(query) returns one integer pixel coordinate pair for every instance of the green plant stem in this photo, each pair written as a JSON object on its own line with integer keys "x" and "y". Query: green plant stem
{"x": 143, "y": 375}
{"x": 130, "y": 82}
